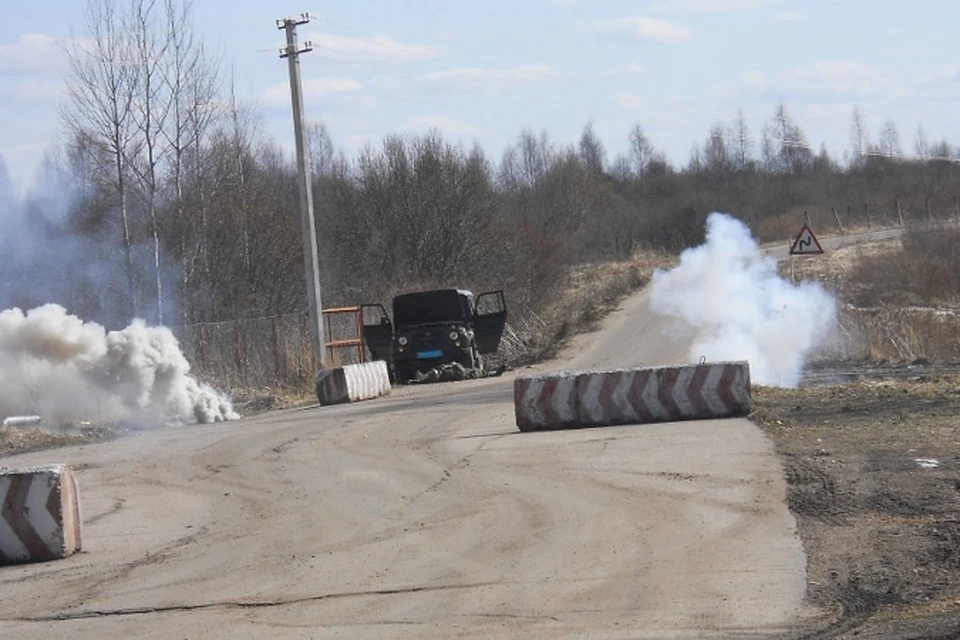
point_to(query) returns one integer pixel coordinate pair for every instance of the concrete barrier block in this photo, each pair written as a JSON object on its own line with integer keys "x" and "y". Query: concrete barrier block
{"x": 633, "y": 396}
{"x": 353, "y": 382}
{"x": 39, "y": 514}
{"x": 546, "y": 400}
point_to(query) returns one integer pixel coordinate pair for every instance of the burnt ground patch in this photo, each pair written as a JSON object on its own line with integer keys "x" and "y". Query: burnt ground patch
{"x": 873, "y": 473}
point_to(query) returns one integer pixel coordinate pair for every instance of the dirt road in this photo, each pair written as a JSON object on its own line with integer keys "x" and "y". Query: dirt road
{"x": 427, "y": 514}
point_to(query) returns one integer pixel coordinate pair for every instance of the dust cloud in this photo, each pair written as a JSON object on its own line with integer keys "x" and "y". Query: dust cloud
{"x": 729, "y": 291}
{"x": 56, "y": 365}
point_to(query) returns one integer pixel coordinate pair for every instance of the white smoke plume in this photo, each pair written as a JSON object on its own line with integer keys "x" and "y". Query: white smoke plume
{"x": 729, "y": 291}
{"x": 56, "y": 365}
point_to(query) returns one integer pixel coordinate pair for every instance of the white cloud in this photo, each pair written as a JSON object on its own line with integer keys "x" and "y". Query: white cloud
{"x": 487, "y": 81}
{"x": 755, "y": 79}
{"x": 627, "y": 101}
{"x": 841, "y": 77}
{"x": 313, "y": 88}
{"x": 642, "y": 29}
{"x": 711, "y": 6}
{"x": 378, "y": 48}
{"x": 32, "y": 53}
{"x": 789, "y": 16}
{"x": 829, "y": 112}
{"x": 629, "y": 69}
{"x": 38, "y": 90}
{"x": 940, "y": 73}
{"x": 443, "y": 123}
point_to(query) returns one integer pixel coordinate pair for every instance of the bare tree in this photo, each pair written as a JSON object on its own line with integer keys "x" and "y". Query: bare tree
{"x": 151, "y": 106}
{"x": 320, "y": 148}
{"x": 785, "y": 147}
{"x": 921, "y": 144}
{"x": 641, "y": 150}
{"x": 101, "y": 88}
{"x": 695, "y": 163}
{"x": 889, "y": 143}
{"x": 859, "y": 138}
{"x": 740, "y": 142}
{"x": 592, "y": 152}
{"x": 716, "y": 155}
{"x": 191, "y": 79}
{"x": 621, "y": 168}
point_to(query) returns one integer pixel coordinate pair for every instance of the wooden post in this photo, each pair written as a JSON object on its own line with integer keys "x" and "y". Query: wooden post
{"x": 837, "y": 217}
{"x": 203, "y": 345}
{"x": 929, "y": 214}
{"x": 899, "y": 212}
{"x": 277, "y": 360}
{"x": 806, "y": 215}
{"x": 363, "y": 354}
{"x": 866, "y": 210}
{"x": 238, "y": 348}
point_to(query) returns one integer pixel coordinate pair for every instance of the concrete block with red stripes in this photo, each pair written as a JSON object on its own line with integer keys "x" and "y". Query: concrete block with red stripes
{"x": 632, "y": 396}
{"x": 39, "y": 514}
{"x": 353, "y": 382}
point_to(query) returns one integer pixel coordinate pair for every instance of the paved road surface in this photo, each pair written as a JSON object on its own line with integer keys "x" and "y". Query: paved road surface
{"x": 426, "y": 514}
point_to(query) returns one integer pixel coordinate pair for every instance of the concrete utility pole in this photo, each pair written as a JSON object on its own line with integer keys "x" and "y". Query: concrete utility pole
{"x": 310, "y": 257}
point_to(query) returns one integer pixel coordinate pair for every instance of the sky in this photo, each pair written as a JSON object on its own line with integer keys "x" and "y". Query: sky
{"x": 483, "y": 71}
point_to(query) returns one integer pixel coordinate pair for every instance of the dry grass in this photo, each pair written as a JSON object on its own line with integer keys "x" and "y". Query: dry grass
{"x": 925, "y": 270}
{"x": 20, "y": 440}
{"x": 591, "y": 291}
{"x": 899, "y": 299}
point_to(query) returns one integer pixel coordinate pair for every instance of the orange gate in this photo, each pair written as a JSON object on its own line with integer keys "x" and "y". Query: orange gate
{"x": 345, "y": 343}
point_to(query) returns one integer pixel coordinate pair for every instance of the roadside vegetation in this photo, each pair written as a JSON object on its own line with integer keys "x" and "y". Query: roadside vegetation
{"x": 869, "y": 443}
{"x": 166, "y": 201}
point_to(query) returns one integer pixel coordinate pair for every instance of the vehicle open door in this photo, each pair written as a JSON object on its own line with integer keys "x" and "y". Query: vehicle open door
{"x": 377, "y": 331}
{"x": 489, "y": 320}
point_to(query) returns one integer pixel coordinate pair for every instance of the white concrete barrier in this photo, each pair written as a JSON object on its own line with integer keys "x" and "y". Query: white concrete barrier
{"x": 353, "y": 382}
{"x": 632, "y": 396}
{"x": 39, "y": 514}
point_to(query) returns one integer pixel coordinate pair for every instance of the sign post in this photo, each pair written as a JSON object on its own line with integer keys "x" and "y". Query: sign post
{"x": 805, "y": 244}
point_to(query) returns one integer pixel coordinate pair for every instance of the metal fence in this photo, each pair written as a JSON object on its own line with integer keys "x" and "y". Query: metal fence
{"x": 269, "y": 351}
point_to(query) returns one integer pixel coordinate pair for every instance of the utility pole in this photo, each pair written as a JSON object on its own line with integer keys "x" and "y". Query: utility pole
{"x": 310, "y": 256}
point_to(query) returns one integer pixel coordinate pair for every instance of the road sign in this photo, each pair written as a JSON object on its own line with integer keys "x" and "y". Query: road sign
{"x": 806, "y": 244}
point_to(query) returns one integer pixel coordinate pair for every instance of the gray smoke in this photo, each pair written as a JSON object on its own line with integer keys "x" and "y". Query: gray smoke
{"x": 56, "y": 365}
{"x": 729, "y": 290}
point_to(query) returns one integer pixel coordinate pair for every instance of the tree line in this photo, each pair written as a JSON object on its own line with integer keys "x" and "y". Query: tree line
{"x": 182, "y": 211}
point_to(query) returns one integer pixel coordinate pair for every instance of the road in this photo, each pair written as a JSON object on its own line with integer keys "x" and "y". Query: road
{"x": 427, "y": 515}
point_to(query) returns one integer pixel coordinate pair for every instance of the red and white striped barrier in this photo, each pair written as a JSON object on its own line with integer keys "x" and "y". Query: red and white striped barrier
{"x": 353, "y": 382}
{"x": 39, "y": 514}
{"x": 632, "y": 396}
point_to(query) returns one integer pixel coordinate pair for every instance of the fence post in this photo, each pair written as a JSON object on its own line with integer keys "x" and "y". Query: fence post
{"x": 363, "y": 354}
{"x": 837, "y": 217}
{"x": 866, "y": 210}
{"x": 899, "y": 212}
{"x": 277, "y": 364}
{"x": 203, "y": 345}
{"x": 238, "y": 349}
{"x": 305, "y": 351}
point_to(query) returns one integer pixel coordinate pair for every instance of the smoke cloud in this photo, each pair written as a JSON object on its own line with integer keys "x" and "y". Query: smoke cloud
{"x": 728, "y": 290}
{"x": 56, "y": 365}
